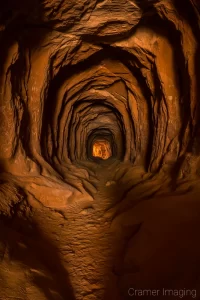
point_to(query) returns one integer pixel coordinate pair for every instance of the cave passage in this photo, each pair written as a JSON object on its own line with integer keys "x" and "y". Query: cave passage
{"x": 99, "y": 149}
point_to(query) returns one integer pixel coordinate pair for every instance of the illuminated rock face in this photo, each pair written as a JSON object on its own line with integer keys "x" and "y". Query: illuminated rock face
{"x": 99, "y": 148}
{"x": 102, "y": 149}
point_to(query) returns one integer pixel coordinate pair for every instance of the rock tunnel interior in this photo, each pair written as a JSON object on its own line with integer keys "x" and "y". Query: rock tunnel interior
{"x": 99, "y": 149}
{"x": 76, "y": 113}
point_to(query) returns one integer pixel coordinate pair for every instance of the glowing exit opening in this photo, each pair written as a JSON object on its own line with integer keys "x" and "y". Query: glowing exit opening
{"x": 101, "y": 149}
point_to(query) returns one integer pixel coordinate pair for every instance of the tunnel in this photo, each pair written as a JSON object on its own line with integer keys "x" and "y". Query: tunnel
{"x": 99, "y": 149}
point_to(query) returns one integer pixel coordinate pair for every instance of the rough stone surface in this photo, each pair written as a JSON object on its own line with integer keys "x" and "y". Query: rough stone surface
{"x": 74, "y": 73}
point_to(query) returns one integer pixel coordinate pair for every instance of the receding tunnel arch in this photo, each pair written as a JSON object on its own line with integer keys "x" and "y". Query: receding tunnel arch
{"x": 128, "y": 78}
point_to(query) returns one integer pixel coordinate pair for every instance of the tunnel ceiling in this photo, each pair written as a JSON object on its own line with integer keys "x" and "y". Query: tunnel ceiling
{"x": 99, "y": 110}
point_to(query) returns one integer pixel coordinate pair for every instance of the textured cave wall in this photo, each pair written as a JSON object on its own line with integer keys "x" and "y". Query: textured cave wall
{"x": 74, "y": 226}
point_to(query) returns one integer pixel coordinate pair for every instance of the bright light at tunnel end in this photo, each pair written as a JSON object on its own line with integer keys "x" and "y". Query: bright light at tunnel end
{"x": 101, "y": 149}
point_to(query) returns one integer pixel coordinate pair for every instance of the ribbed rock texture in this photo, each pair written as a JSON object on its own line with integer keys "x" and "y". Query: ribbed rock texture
{"x": 86, "y": 223}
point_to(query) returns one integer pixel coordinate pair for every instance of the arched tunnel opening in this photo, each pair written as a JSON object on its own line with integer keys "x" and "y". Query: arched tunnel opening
{"x": 99, "y": 149}
{"x": 96, "y": 132}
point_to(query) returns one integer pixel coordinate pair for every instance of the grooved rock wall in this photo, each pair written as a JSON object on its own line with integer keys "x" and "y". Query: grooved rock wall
{"x": 124, "y": 76}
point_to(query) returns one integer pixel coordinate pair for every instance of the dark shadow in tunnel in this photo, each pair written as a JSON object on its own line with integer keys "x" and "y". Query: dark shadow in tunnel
{"x": 169, "y": 247}
{"x": 32, "y": 249}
